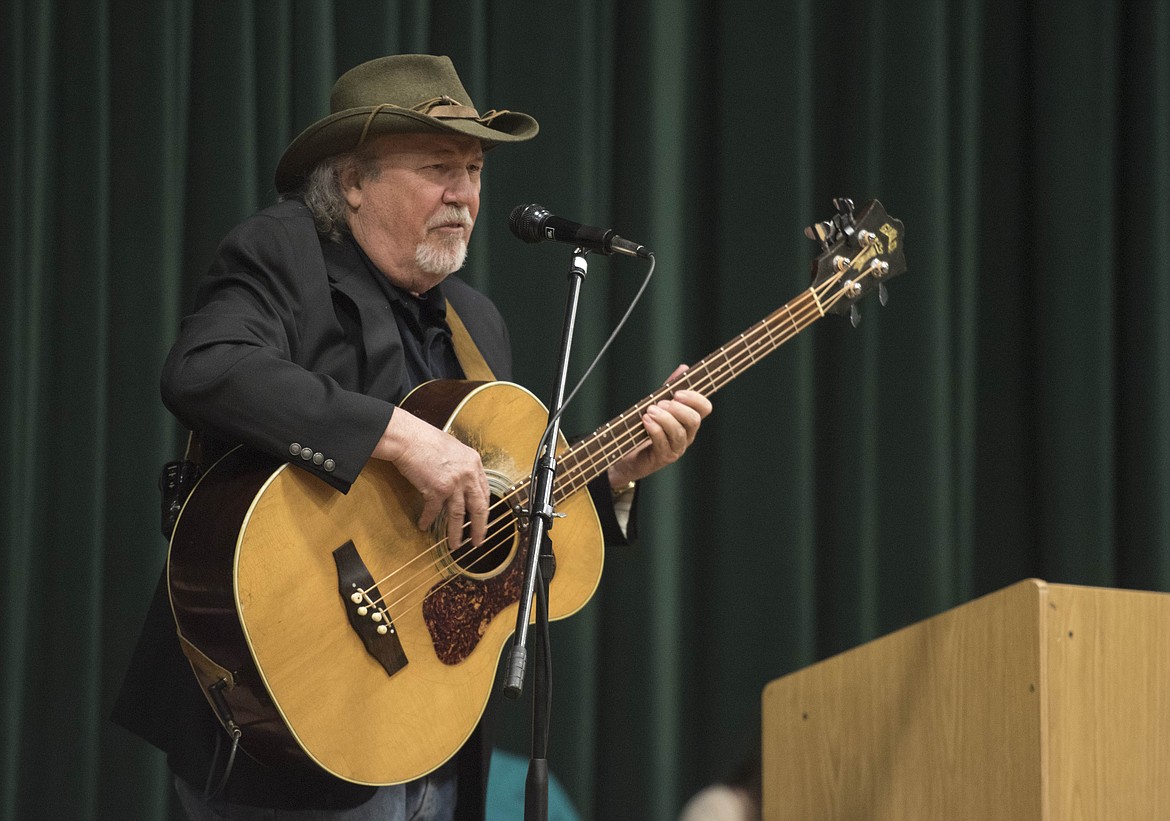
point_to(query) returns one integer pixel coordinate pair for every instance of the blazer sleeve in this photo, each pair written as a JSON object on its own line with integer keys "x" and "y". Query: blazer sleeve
{"x": 239, "y": 369}
{"x": 611, "y": 529}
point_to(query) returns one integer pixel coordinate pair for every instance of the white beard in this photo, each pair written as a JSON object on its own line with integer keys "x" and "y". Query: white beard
{"x": 442, "y": 257}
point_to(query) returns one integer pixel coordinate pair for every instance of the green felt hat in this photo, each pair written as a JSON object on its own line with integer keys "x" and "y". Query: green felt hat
{"x": 404, "y": 93}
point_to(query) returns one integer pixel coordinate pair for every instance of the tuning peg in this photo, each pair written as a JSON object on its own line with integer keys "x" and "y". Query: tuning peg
{"x": 854, "y": 315}
{"x": 844, "y": 207}
{"x": 822, "y": 232}
{"x": 883, "y": 294}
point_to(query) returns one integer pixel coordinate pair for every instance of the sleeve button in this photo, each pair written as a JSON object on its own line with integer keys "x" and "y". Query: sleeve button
{"x": 329, "y": 465}
{"x": 294, "y": 449}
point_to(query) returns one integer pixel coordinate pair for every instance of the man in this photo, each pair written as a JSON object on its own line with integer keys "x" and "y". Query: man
{"x": 317, "y": 316}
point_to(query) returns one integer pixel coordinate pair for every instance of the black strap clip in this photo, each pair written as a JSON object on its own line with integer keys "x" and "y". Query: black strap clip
{"x": 175, "y": 484}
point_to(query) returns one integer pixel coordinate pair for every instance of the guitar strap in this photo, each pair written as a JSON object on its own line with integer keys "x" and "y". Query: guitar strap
{"x": 475, "y": 367}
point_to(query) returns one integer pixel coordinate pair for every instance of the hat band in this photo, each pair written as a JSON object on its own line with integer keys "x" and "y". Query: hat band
{"x": 461, "y": 112}
{"x": 446, "y": 107}
{"x": 441, "y": 108}
{"x": 369, "y": 121}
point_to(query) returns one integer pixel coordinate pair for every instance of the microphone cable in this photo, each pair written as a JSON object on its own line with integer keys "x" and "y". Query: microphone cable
{"x": 544, "y": 445}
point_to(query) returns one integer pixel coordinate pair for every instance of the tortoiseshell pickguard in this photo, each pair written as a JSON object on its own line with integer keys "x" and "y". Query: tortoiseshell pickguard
{"x": 457, "y": 612}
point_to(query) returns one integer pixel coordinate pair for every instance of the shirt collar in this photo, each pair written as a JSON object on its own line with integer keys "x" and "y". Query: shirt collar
{"x": 430, "y": 303}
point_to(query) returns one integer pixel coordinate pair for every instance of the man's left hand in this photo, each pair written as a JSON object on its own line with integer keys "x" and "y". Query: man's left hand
{"x": 671, "y": 425}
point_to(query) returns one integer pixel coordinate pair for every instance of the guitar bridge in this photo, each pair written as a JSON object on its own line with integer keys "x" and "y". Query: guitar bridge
{"x": 369, "y": 619}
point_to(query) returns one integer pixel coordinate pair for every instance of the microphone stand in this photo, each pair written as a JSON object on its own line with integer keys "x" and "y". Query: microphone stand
{"x": 538, "y": 573}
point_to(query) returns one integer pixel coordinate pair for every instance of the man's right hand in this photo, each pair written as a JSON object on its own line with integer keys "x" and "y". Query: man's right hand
{"x": 448, "y": 474}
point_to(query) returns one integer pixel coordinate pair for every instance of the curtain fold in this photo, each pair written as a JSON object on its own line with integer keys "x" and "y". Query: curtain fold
{"x": 1004, "y": 416}
{"x": 1073, "y": 199}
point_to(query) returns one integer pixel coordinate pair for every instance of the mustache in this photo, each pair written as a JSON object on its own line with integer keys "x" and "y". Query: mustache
{"x": 460, "y": 214}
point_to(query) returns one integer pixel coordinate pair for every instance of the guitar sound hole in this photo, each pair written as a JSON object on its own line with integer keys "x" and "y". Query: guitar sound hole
{"x": 497, "y": 549}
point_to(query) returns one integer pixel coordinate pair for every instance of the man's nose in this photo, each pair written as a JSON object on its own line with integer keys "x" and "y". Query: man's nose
{"x": 462, "y": 187}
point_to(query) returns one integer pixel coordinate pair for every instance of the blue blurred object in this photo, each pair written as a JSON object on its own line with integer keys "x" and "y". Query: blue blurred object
{"x": 505, "y": 795}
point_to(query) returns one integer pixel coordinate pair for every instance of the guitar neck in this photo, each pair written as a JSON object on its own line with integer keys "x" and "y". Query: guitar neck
{"x": 592, "y": 456}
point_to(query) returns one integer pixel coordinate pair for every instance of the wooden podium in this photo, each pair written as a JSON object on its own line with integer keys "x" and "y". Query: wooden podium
{"x": 1040, "y": 701}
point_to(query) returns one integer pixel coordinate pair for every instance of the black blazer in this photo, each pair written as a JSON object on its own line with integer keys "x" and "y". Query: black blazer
{"x": 291, "y": 343}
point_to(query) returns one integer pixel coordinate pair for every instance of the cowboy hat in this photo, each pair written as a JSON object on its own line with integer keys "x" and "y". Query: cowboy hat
{"x": 394, "y": 95}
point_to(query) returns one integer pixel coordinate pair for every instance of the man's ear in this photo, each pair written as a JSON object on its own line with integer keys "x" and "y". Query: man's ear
{"x": 351, "y": 185}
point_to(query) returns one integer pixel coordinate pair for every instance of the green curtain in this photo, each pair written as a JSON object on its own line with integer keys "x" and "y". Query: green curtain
{"x": 1005, "y": 416}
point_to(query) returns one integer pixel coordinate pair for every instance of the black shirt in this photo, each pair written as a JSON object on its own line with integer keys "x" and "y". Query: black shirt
{"x": 422, "y": 325}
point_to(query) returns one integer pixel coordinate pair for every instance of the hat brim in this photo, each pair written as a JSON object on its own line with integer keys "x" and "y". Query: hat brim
{"x": 341, "y": 132}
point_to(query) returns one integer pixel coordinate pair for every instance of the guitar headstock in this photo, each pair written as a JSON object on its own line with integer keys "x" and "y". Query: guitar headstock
{"x": 860, "y": 251}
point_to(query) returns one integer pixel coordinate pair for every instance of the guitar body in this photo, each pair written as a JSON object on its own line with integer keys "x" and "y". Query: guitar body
{"x": 256, "y": 579}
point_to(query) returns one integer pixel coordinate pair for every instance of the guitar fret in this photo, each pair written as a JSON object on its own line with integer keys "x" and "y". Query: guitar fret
{"x": 748, "y": 349}
{"x": 569, "y": 487}
{"x": 795, "y": 326}
{"x": 631, "y": 428}
{"x": 699, "y": 370}
{"x": 772, "y": 345}
{"x": 727, "y": 361}
{"x": 625, "y": 417}
{"x": 592, "y": 446}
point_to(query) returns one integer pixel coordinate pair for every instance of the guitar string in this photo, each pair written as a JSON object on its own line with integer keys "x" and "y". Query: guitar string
{"x": 815, "y": 304}
{"x": 708, "y": 375}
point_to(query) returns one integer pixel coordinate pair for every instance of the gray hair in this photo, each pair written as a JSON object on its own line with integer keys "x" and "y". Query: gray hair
{"x": 323, "y": 195}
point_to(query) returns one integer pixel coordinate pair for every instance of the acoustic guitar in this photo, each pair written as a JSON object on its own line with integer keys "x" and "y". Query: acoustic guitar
{"x": 328, "y": 631}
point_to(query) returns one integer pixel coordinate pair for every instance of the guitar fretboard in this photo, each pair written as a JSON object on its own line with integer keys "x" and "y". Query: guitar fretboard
{"x": 592, "y": 456}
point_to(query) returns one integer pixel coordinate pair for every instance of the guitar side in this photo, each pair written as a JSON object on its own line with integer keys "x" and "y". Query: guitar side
{"x": 199, "y": 583}
{"x": 339, "y": 705}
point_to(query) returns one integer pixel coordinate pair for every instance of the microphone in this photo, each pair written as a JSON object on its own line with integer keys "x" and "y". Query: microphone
{"x": 534, "y": 223}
